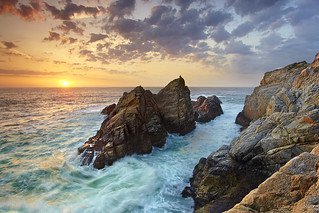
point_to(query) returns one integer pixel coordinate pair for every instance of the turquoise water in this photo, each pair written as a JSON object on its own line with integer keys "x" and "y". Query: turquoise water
{"x": 41, "y": 128}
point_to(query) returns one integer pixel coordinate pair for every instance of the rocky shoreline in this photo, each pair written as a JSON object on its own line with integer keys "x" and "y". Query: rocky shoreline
{"x": 281, "y": 118}
{"x": 141, "y": 120}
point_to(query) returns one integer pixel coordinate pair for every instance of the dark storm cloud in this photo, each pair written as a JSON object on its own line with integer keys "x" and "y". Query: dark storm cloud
{"x": 8, "y": 44}
{"x": 68, "y": 26}
{"x": 70, "y": 9}
{"x": 29, "y": 12}
{"x": 53, "y": 36}
{"x": 120, "y": 8}
{"x": 96, "y": 37}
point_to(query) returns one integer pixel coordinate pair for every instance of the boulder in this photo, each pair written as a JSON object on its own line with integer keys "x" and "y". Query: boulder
{"x": 207, "y": 109}
{"x": 175, "y": 107}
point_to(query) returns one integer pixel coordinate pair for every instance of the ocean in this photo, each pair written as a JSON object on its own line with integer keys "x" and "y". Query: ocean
{"x": 41, "y": 129}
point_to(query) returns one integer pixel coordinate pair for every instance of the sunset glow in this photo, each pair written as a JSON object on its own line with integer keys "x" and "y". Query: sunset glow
{"x": 138, "y": 42}
{"x": 64, "y": 83}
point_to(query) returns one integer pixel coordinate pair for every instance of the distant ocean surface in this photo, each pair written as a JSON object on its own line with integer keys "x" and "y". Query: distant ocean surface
{"x": 41, "y": 129}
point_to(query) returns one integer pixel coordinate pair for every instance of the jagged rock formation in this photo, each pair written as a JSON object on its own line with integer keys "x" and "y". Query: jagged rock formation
{"x": 176, "y": 108}
{"x": 139, "y": 121}
{"x": 294, "y": 188}
{"x": 108, "y": 109}
{"x": 207, "y": 109}
{"x": 272, "y": 83}
{"x": 285, "y": 123}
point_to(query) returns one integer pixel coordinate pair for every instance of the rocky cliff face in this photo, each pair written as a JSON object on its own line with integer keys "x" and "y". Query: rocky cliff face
{"x": 284, "y": 111}
{"x": 294, "y": 188}
{"x": 139, "y": 121}
{"x": 272, "y": 83}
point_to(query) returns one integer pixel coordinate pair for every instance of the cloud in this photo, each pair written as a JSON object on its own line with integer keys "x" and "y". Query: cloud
{"x": 247, "y": 7}
{"x": 243, "y": 29}
{"x": 120, "y": 8}
{"x": 69, "y": 40}
{"x": 97, "y": 37}
{"x": 8, "y": 44}
{"x": 219, "y": 34}
{"x": 8, "y": 72}
{"x": 237, "y": 47}
{"x": 215, "y": 18}
{"x": 68, "y": 26}
{"x": 28, "y": 12}
{"x": 71, "y": 9}
{"x": 53, "y": 36}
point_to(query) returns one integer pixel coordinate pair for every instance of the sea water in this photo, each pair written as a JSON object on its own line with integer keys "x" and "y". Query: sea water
{"x": 41, "y": 129}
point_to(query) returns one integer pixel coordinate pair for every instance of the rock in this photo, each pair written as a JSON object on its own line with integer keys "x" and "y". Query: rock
{"x": 292, "y": 189}
{"x": 176, "y": 108}
{"x": 207, "y": 109}
{"x": 107, "y": 110}
{"x": 242, "y": 119}
{"x": 284, "y": 122}
{"x": 139, "y": 121}
{"x": 272, "y": 82}
{"x": 134, "y": 126}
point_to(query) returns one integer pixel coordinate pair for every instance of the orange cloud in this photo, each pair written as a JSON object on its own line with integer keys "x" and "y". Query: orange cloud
{"x": 28, "y": 12}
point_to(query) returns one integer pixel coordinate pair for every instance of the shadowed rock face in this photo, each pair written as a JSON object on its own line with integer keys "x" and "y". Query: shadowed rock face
{"x": 207, "y": 109}
{"x": 294, "y": 188}
{"x": 287, "y": 126}
{"x": 176, "y": 107}
{"x": 139, "y": 121}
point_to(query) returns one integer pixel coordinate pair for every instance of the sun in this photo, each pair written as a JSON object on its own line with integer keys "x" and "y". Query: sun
{"x": 64, "y": 83}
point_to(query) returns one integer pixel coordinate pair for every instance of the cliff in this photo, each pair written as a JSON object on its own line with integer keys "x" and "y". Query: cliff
{"x": 283, "y": 113}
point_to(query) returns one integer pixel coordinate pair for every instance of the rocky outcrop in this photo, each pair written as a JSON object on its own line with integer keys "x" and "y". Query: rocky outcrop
{"x": 139, "y": 121}
{"x": 294, "y": 188}
{"x": 108, "y": 109}
{"x": 283, "y": 125}
{"x": 272, "y": 82}
{"x": 176, "y": 108}
{"x": 207, "y": 109}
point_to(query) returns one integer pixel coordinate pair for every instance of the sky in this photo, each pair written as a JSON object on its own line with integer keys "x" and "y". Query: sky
{"x": 109, "y": 43}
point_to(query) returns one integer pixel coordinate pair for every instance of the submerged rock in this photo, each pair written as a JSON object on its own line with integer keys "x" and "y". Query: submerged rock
{"x": 207, "y": 109}
{"x": 138, "y": 122}
{"x": 284, "y": 122}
